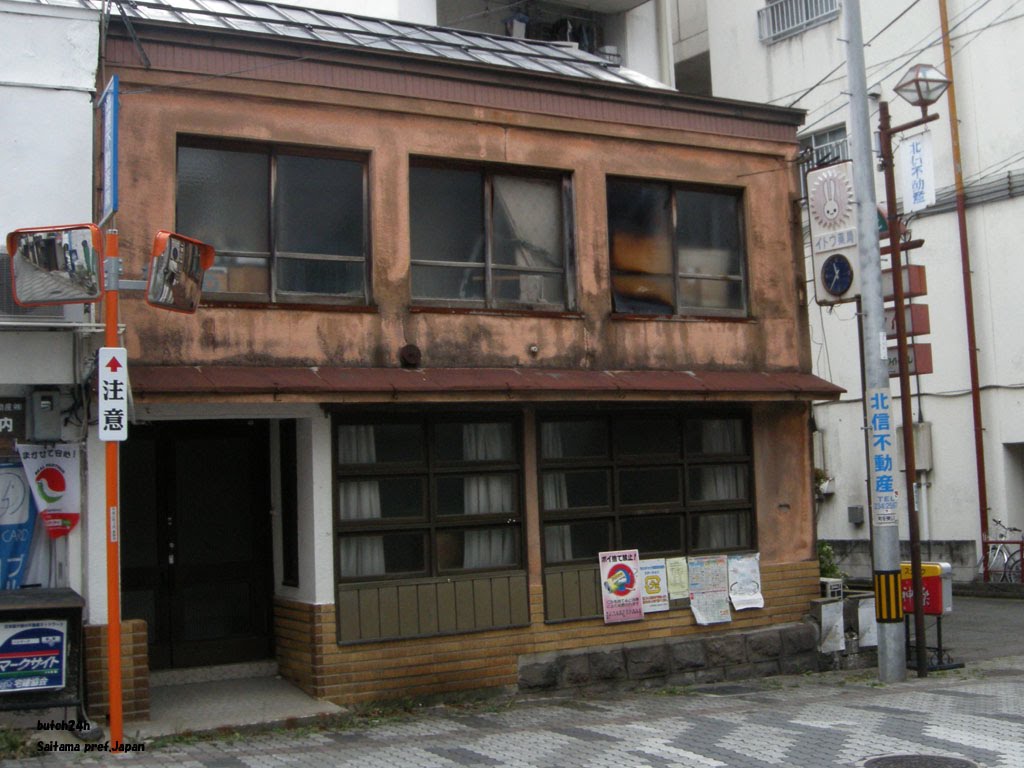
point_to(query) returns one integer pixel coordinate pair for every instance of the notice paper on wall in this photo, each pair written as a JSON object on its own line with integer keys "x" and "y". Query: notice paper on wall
{"x": 709, "y": 589}
{"x": 745, "y": 581}
{"x": 653, "y": 585}
{"x": 678, "y": 578}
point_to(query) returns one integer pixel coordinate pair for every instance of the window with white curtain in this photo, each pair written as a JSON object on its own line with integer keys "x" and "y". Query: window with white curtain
{"x": 666, "y": 483}
{"x": 491, "y": 238}
{"x": 427, "y": 497}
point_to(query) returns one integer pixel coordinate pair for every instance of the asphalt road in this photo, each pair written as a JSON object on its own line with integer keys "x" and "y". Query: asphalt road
{"x": 980, "y": 628}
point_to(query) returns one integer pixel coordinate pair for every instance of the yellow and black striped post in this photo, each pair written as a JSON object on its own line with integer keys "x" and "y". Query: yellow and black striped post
{"x": 888, "y": 596}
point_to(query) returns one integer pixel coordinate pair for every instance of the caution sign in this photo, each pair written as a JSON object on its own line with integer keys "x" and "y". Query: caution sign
{"x": 113, "y": 393}
{"x": 888, "y": 596}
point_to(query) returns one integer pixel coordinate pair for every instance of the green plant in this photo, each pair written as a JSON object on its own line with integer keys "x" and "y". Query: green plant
{"x": 14, "y": 744}
{"x": 827, "y": 561}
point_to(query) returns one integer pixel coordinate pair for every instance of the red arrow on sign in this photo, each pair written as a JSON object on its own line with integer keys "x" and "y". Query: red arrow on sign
{"x": 113, "y": 365}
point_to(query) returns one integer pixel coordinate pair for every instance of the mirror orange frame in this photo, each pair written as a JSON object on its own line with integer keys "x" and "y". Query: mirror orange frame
{"x": 56, "y": 265}
{"x": 176, "y": 271}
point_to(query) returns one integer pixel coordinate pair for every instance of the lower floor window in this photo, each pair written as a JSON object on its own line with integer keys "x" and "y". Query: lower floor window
{"x": 665, "y": 483}
{"x": 427, "y": 497}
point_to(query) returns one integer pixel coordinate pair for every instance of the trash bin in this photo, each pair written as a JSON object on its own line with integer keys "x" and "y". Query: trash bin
{"x": 936, "y": 586}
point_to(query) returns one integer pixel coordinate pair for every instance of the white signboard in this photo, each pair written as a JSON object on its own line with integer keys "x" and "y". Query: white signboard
{"x": 653, "y": 585}
{"x": 882, "y": 474}
{"x": 832, "y": 216}
{"x": 113, "y": 394}
{"x": 917, "y": 172}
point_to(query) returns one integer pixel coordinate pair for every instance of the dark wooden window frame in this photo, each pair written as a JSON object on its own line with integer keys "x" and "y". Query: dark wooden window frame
{"x": 678, "y": 309}
{"x": 614, "y": 462}
{"x": 488, "y": 171}
{"x": 430, "y": 469}
{"x": 277, "y": 296}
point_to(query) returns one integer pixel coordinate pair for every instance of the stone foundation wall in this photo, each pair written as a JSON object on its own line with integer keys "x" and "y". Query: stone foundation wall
{"x": 784, "y": 649}
{"x": 134, "y": 670}
{"x": 772, "y": 640}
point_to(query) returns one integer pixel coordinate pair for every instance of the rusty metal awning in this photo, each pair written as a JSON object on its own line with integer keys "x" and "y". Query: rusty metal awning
{"x": 339, "y": 384}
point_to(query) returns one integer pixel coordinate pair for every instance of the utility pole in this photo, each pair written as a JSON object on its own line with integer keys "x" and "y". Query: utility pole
{"x": 885, "y": 538}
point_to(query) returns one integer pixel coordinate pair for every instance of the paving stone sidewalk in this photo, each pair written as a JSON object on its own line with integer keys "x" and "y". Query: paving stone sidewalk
{"x": 812, "y": 721}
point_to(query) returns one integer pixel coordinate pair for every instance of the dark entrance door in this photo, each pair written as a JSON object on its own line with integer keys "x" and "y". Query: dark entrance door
{"x": 196, "y": 553}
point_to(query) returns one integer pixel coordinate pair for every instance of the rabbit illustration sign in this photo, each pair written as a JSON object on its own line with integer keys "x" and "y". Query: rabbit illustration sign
{"x": 832, "y": 209}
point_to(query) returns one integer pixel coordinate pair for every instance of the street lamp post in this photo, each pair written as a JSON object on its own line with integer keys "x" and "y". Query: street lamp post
{"x": 921, "y": 86}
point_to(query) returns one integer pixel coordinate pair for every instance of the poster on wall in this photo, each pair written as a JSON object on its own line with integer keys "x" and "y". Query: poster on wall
{"x": 17, "y": 522}
{"x": 32, "y": 655}
{"x": 678, "y": 578}
{"x": 55, "y": 480}
{"x": 654, "y": 585}
{"x": 620, "y": 586}
{"x": 709, "y": 589}
{"x": 745, "y": 581}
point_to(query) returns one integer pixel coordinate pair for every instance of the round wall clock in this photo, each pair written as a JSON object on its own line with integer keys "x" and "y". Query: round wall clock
{"x": 837, "y": 274}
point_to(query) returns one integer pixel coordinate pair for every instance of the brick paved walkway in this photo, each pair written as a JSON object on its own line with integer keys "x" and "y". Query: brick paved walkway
{"x": 813, "y": 721}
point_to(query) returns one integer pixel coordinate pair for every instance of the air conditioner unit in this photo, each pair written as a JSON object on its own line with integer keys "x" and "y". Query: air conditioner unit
{"x": 831, "y": 587}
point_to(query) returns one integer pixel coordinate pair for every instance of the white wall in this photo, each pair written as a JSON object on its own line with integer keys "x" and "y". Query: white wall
{"x": 990, "y": 112}
{"x": 48, "y": 61}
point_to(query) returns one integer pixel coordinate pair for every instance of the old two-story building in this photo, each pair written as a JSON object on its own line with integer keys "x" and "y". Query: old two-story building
{"x": 481, "y": 309}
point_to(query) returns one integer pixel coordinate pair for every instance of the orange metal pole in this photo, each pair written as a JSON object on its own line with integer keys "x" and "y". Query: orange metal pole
{"x": 110, "y": 339}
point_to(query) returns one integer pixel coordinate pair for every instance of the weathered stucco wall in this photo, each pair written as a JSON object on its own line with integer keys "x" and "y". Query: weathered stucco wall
{"x": 390, "y": 129}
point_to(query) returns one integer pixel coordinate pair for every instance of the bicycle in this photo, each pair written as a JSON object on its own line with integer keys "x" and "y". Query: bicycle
{"x": 1001, "y": 558}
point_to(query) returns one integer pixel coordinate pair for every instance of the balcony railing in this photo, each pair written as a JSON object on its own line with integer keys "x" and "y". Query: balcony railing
{"x": 784, "y": 18}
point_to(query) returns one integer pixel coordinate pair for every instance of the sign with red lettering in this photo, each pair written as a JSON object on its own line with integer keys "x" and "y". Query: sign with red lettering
{"x": 621, "y": 586}
{"x": 113, "y": 393}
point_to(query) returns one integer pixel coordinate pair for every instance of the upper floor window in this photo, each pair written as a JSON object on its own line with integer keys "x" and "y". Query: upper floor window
{"x": 489, "y": 238}
{"x": 780, "y": 19}
{"x": 288, "y": 225}
{"x": 675, "y": 249}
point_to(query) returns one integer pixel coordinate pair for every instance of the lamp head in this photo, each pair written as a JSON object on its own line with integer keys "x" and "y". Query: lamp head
{"x": 922, "y": 86}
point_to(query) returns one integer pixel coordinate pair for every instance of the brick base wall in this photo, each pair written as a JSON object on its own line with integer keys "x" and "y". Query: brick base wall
{"x": 309, "y": 655}
{"x": 134, "y": 670}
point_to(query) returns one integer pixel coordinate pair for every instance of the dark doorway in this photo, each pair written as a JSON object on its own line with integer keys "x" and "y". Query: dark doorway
{"x": 196, "y": 552}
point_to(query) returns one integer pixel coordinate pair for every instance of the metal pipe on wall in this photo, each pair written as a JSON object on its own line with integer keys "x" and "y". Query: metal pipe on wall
{"x": 965, "y": 261}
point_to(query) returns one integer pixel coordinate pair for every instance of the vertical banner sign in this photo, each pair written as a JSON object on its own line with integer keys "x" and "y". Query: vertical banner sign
{"x": 620, "y": 586}
{"x": 17, "y": 522}
{"x": 108, "y": 109}
{"x": 917, "y": 172}
{"x": 881, "y": 433}
{"x": 55, "y": 478}
{"x": 32, "y": 655}
{"x": 113, "y": 394}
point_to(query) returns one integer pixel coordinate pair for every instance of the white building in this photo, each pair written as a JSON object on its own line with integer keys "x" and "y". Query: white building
{"x": 46, "y": 109}
{"x": 791, "y": 53}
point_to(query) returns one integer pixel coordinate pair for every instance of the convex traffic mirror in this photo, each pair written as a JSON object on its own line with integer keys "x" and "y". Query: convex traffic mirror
{"x": 56, "y": 265}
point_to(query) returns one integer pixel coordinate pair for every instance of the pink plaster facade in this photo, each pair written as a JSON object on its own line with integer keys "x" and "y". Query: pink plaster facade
{"x": 390, "y": 111}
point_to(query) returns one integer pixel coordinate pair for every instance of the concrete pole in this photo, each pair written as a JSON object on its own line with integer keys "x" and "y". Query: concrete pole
{"x": 885, "y": 538}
